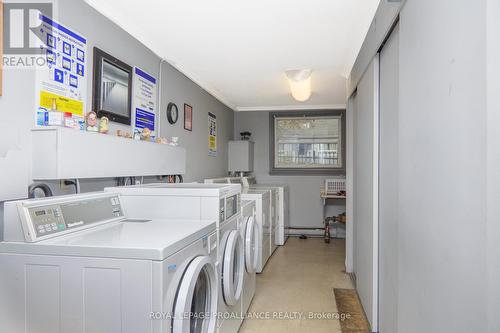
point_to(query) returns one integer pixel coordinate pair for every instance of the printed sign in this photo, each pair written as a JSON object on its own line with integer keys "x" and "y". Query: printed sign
{"x": 61, "y": 85}
{"x": 212, "y": 134}
{"x": 145, "y": 91}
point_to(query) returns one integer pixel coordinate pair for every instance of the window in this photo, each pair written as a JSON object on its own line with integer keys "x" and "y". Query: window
{"x": 307, "y": 143}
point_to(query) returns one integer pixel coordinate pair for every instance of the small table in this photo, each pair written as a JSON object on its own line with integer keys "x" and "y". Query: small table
{"x": 329, "y": 220}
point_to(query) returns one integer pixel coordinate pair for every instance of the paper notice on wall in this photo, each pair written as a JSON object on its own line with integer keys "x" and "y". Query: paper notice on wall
{"x": 212, "y": 134}
{"x": 61, "y": 83}
{"x": 144, "y": 104}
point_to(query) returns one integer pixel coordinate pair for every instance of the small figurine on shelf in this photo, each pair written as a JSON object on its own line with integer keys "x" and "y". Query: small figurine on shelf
{"x": 146, "y": 134}
{"x": 137, "y": 134}
{"x": 92, "y": 122}
{"x": 123, "y": 134}
{"x": 104, "y": 125}
{"x": 161, "y": 141}
{"x": 174, "y": 141}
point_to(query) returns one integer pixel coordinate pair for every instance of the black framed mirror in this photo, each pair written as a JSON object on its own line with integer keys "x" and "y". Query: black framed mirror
{"x": 112, "y": 89}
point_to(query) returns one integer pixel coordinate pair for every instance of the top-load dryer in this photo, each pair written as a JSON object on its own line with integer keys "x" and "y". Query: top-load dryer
{"x": 204, "y": 201}
{"x": 79, "y": 264}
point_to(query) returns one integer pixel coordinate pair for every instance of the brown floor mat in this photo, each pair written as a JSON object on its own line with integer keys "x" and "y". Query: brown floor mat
{"x": 348, "y": 303}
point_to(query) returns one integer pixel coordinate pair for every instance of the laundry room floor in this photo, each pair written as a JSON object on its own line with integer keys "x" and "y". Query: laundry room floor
{"x": 297, "y": 284}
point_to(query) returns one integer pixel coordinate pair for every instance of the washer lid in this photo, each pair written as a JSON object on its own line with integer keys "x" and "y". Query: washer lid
{"x": 129, "y": 239}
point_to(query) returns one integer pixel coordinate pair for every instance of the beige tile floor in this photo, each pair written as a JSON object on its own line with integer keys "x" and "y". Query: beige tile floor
{"x": 299, "y": 278}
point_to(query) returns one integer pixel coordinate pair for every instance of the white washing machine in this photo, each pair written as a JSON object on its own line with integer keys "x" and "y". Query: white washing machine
{"x": 232, "y": 273}
{"x": 282, "y": 194}
{"x": 182, "y": 200}
{"x": 78, "y": 264}
{"x": 262, "y": 200}
{"x": 250, "y": 234}
{"x": 205, "y": 201}
{"x": 274, "y": 216}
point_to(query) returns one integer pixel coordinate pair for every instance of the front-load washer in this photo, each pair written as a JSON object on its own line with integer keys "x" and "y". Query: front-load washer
{"x": 262, "y": 200}
{"x": 205, "y": 201}
{"x": 282, "y": 225}
{"x": 281, "y": 208}
{"x": 79, "y": 264}
{"x": 250, "y": 234}
{"x": 274, "y": 217}
{"x": 232, "y": 273}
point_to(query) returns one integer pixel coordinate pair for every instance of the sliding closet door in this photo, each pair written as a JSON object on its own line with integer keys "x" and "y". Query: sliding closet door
{"x": 389, "y": 184}
{"x": 366, "y": 191}
{"x": 350, "y": 163}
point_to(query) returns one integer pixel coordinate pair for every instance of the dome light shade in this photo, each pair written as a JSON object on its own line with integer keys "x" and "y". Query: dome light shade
{"x": 300, "y": 84}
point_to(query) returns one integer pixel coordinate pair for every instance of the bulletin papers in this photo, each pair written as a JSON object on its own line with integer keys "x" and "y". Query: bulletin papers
{"x": 212, "y": 134}
{"x": 145, "y": 91}
{"x": 61, "y": 84}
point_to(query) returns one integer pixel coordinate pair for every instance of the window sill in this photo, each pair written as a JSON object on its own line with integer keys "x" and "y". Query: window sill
{"x": 307, "y": 172}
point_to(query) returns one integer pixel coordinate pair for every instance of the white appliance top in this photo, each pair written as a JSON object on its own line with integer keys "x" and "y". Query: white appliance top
{"x": 182, "y": 189}
{"x": 245, "y": 203}
{"x": 126, "y": 239}
{"x": 268, "y": 185}
{"x": 253, "y": 192}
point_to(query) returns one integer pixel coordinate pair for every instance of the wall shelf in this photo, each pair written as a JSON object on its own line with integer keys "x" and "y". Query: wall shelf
{"x": 63, "y": 153}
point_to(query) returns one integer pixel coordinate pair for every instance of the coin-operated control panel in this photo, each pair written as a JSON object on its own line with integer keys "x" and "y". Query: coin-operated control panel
{"x": 45, "y": 219}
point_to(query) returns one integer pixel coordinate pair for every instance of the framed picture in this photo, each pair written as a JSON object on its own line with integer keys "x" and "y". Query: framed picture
{"x": 188, "y": 117}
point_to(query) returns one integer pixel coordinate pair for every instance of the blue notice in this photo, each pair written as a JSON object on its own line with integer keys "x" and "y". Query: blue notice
{"x": 144, "y": 119}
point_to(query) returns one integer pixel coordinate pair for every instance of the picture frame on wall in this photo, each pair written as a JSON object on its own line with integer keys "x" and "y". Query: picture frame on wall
{"x": 188, "y": 117}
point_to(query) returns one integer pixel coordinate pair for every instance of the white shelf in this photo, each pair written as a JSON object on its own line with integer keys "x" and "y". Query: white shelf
{"x": 63, "y": 153}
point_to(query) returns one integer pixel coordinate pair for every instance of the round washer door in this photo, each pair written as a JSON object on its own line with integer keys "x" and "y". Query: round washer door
{"x": 251, "y": 245}
{"x": 196, "y": 299}
{"x": 233, "y": 265}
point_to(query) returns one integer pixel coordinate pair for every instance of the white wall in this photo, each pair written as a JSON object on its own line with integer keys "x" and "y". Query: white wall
{"x": 389, "y": 184}
{"x": 442, "y": 185}
{"x": 493, "y": 164}
{"x": 365, "y": 236}
{"x": 443, "y": 204}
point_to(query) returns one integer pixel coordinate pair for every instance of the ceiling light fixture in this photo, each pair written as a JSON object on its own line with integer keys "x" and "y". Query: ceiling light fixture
{"x": 300, "y": 83}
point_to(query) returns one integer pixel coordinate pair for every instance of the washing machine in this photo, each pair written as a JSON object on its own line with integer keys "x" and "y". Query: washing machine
{"x": 281, "y": 208}
{"x": 182, "y": 200}
{"x": 262, "y": 200}
{"x": 273, "y": 217}
{"x": 232, "y": 273}
{"x": 205, "y": 201}
{"x": 250, "y": 234}
{"x": 79, "y": 264}
{"x": 282, "y": 225}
